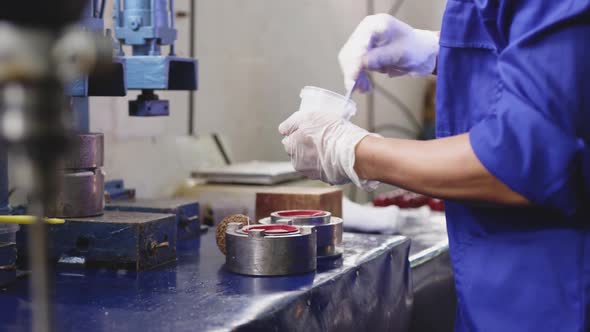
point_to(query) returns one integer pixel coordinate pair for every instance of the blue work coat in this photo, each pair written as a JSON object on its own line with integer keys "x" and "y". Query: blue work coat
{"x": 515, "y": 75}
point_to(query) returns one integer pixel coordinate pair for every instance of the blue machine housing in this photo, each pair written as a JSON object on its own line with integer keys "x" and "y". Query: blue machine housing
{"x": 111, "y": 83}
{"x": 161, "y": 73}
{"x": 108, "y": 83}
{"x": 146, "y": 26}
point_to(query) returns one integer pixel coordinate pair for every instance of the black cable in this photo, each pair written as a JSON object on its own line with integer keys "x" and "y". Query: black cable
{"x": 191, "y": 94}
{"x": 221, "y": 149}
{"x": 102, "y": 7}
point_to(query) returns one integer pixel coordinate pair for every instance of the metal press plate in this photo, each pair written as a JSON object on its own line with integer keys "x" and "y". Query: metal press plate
{"x": 329, "y": 235}
{"x": 81, "y": 195}
{"x": 87, "y": 153}
{"x": 253, "y": 172}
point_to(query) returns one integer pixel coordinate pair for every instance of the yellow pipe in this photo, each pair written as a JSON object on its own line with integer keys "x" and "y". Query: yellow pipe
{"x": 27, "y": 220}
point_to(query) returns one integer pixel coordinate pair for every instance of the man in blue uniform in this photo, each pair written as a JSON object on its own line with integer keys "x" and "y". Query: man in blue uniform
{"x": 512, "y": 161}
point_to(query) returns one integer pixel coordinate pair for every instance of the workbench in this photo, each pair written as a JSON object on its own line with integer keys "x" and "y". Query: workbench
{"x": 369, "y": 289}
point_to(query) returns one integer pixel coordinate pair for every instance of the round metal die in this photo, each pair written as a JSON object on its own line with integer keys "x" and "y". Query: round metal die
{"x": 256, "y": 252}
{"x": 270, "y": 229}
{"x": 87, "y": 152}
{"x": 301, "y": 217}
{"x": 81, "y": 195}
{"x": 329, "y": 231}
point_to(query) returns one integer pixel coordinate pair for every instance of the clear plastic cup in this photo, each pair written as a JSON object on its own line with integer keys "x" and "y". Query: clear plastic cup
{"x": 8, "y": 233}
{"x": 314, "y": 99}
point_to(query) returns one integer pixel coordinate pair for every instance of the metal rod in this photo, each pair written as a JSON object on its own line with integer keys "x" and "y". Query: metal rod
{"x": 102, "y": 8}
{"x": 116, "y": 12}
{"x": 37, "y": 245}
{"x": 80, "y": 108}
{"x": 4, "y": 186}
{"x": 153, "y": 13}
{"x": 221, "y": 148}
{"x": 172, "y": 24}
{"x": 371, "y": 111}
{"x": 172, "y": 16}
{"x": 191, "y": 94}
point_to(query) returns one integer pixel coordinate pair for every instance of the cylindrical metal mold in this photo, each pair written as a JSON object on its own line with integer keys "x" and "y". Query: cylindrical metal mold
{"x": 87, "y": 153}
{"x": 81, "y": 195}
{"x": 258, "y": 250}
{"x": 329, "y": 229}
{"x": 301, "y": 217}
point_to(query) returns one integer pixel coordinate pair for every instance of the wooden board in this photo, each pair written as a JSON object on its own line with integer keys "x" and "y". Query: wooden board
{"x": 291, "y": 198}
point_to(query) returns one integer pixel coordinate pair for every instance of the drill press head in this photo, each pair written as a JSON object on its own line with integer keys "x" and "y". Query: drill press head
{"x": 148, "y": 26}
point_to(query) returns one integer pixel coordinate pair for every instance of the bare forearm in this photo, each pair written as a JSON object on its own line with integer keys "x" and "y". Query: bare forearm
{"x": 446, "y": 168}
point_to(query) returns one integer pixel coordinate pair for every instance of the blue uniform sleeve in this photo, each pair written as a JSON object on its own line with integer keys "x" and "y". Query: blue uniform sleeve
{"x": 535, "y": 140}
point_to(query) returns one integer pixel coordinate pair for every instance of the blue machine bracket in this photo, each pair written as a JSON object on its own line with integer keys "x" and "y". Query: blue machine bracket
{"x": 148, "y": 104}
{"x": 161, "y": 73}
{"x": 115, "y": 190}
{"x": 110, "y": 83}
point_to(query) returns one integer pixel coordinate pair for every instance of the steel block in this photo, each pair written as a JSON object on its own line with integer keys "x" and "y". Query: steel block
{"x": 129, "y": 240}
{"x": 186, "y": 212}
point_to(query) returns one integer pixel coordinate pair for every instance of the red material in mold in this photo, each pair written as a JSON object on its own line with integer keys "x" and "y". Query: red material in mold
{"x": 273, "y": 229}
{"x": 302, "y": 213}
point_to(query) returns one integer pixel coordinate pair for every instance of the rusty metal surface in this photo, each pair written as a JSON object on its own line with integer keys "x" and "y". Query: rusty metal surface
{"x": 81, "y": 195}
{"x": 87, "y": 152}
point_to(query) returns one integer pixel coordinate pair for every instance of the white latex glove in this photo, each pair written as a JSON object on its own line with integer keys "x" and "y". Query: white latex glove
{"x": 370, "y": 219}
{"x": 385, "y": 44}
{"x": 322, "y": 147}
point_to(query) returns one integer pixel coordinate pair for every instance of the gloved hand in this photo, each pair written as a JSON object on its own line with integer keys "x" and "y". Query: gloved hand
{"x": 385, "y": 44}
{"x": 322, "y": 147}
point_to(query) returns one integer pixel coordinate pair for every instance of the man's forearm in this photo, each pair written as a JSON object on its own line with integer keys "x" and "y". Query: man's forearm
{"x": 446, "y": 168}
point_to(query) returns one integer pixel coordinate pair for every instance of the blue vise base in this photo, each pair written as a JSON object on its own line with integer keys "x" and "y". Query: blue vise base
{"x": 120, "y": 240}
{"x": 186, "y": 212}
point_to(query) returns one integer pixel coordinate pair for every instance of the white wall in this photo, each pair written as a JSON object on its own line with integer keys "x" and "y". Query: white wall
{"x": 422, "y": 14}
{"x": 254, "y": 57}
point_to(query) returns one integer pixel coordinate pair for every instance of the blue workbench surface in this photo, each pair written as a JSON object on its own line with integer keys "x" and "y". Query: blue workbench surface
{"x": 368, "y": 291}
